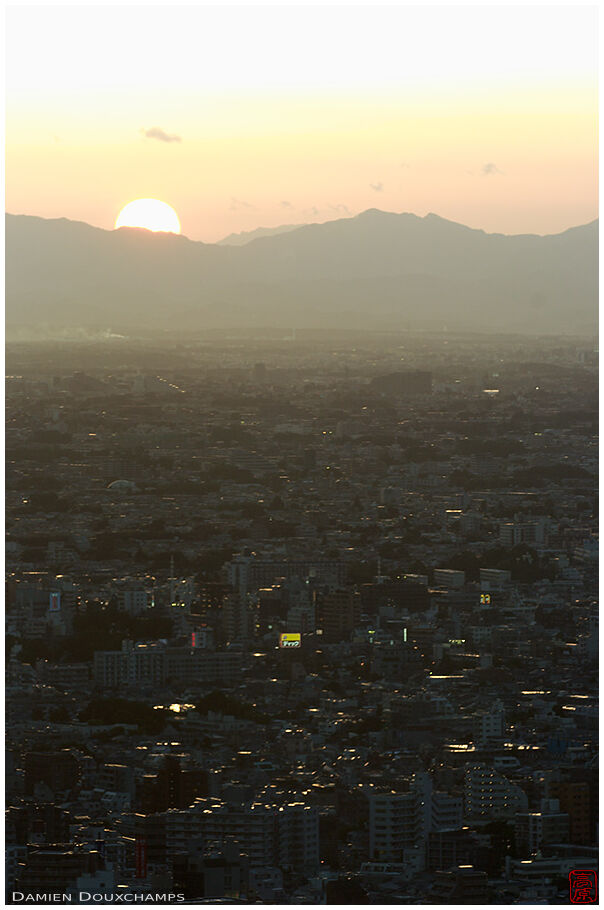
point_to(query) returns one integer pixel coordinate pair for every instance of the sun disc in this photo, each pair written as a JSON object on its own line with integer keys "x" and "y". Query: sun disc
{"x": 151, "y": 214}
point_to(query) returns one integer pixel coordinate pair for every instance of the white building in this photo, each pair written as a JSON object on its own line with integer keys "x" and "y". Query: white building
{"x": 449, "y": 578}
{"x": 396, "y": 822}
{"x": 489, "y": 725}
{"x": 494, "y": 579}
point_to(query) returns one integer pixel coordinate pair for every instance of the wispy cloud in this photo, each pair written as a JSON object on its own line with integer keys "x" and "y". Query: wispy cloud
{"x": 286, "y": 205}
{"x": 237, "y": 204}
{"x": 377, "y": 187}
{"x": 157, "y": 133}
{"x": 490, "y": 168}
{"x": 340, "y": 208}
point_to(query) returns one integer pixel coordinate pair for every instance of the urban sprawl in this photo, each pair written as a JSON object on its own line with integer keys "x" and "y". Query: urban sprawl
{"x": 303, "y": 618}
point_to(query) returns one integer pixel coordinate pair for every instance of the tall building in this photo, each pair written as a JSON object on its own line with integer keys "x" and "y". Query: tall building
{"x": 338, "y": 614}
{"x": 171, "y": 787}
{"x": 549, "y": 826}
{"x": 237, "y": 618}
{"x": 246, "y": 574}
{"x": 153, "y": 663}
{"x": 489, "y": 725}
{"x": 396, "y": 822}
{"x": 574, "y": 798}
{"x": 450, "y": 847}
{"x": 531, "y": 533}
{"x": 487, "y": 794}
{"x": 286, "y": 836}
{"x": 133, "y": 599}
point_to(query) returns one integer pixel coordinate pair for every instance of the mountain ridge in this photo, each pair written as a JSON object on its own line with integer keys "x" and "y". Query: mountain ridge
{"x": 389, "y": 268}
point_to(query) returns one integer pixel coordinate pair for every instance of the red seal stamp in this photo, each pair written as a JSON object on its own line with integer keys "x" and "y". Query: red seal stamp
{"x": 583, "y": 886}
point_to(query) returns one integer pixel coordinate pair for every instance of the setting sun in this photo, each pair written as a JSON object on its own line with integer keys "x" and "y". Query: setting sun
{"x": 151, "y": 214}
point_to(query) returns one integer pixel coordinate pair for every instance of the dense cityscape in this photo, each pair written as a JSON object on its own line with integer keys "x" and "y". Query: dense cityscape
{"x": 302, "y": 619}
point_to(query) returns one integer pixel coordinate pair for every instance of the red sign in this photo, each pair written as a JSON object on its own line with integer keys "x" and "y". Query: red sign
{"x": 140, "y": 850}
{"x": 583, "y": 886}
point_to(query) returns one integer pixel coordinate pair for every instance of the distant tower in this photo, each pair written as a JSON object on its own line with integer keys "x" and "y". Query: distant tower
{"x": 172, "y": 581}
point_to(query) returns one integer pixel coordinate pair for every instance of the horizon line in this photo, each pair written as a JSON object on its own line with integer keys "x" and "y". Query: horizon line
{"x": 292, "y": 228}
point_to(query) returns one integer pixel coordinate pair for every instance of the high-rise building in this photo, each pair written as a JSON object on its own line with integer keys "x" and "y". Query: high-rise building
{"x": 574, "y": 799}
{"x": 286, "y": 835}
{"x": 488, "y": 794}
{"x": 534, "y": 829}
{"x": 489, "y": 725}
{"x": 396, "y": 822}
{"x": 246, "y": 574}
{"x": 338, "y": 614}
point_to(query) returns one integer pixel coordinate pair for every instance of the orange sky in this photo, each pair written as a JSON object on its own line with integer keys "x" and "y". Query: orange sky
{"x": 249, "y": 116}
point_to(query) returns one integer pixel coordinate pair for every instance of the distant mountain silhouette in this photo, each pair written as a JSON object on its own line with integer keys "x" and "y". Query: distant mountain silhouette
{"x": 377, "y": 270}
{"x": 246, "y": 236}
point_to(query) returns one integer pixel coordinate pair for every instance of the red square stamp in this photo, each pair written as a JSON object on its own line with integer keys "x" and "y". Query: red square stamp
{"x": 583, "y": 886}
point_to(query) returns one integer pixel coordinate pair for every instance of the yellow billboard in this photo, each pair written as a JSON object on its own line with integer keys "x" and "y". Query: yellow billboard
{"x": 290, "y": 640}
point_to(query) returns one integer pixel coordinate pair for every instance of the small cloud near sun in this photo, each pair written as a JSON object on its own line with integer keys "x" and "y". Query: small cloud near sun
{"x": 490, "y": 168}
{"x": 237, "y": 204}
{"x": 157, "y": 133}
{"x": 286, "y": 205}
{"x": 377, "y": 187}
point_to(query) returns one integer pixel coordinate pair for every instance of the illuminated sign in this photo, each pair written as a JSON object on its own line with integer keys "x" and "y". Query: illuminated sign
{"x": 193, "y": 639}
{"x": 485, "y": 599}
{"x": 457, "y": 641}
{"x": 289, "y": 640}
{"x": 54, "y": 604}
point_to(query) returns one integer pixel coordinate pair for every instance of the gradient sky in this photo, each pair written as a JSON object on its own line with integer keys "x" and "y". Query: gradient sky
{"x": 241, "y": 116}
